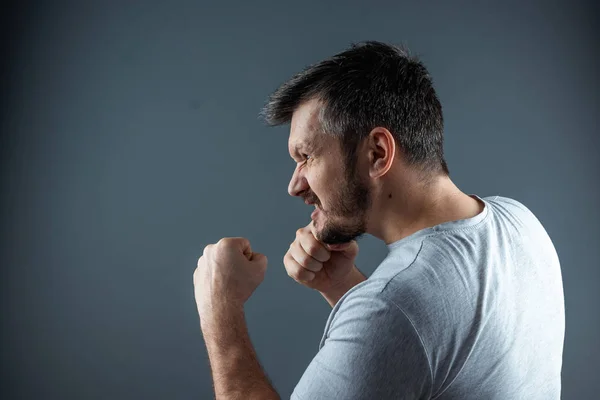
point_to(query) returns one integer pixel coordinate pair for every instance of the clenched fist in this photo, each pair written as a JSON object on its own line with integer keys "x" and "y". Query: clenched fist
{"x": 318, "y": 266}
{"x": 228, "y": 272}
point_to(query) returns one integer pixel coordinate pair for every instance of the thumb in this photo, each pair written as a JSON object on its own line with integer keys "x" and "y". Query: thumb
{"x": 259, "y": 258}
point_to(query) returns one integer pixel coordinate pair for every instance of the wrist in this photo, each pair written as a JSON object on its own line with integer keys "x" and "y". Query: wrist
{"x": 333, "y": 294}
{"x": 353, "y": 278}
{"x": 220, "y": 314}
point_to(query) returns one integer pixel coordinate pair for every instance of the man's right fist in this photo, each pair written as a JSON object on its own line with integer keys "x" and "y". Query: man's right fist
{"x": 316, "y": 265}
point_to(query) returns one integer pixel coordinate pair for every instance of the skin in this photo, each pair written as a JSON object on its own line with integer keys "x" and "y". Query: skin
{"x": 381, "y": 196}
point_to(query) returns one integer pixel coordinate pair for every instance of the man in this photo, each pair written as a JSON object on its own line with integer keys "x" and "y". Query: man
{"x": 467, "y": 305}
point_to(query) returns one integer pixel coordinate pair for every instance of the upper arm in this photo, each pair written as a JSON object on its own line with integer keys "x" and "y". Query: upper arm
{"x": 371, "y": 351}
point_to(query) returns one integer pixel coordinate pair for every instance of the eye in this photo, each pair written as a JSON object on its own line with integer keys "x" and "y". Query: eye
{"x": 305, "y": 156}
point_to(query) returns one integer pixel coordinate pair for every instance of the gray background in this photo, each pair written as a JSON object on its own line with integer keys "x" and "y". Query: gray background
{"x": 130, "y": 140}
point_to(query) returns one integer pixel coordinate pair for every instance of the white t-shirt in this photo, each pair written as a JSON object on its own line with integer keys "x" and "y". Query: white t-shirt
{"x": 468, "y": 309}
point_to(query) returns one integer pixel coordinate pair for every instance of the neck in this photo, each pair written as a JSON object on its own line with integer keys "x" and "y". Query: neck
{"x": 414, "y": 206}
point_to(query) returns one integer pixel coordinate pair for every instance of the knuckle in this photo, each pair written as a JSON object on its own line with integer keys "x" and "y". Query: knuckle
{"x": 310, "y": 264}
{"x": 313, "y": 249}
{"x": 305, "y": 260}
{"x": 305, "y": 276}
{"x": 293, "y": 274}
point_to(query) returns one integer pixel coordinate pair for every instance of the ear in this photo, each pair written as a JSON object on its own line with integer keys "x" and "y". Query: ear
{"x": 381, "y": 150}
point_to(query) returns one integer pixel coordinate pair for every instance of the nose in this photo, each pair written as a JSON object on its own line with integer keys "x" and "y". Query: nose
{"x": 297, "y": 184}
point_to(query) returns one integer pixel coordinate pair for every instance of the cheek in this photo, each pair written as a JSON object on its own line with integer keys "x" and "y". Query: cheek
{"x": 323, "y": 180}
{"x": 318, "y": 180}
{"x": 317, "y": 188}
{"x": 324, "y": 189}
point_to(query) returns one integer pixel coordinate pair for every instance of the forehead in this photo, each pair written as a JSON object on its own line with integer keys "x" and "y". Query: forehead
{"x": 304, "y": 127}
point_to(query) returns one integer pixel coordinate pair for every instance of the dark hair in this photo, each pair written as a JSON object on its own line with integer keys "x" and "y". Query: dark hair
{"x": 370, "y": 84}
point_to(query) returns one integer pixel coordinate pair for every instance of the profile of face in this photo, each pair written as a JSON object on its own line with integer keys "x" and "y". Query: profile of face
{"x": 322, "y": 177}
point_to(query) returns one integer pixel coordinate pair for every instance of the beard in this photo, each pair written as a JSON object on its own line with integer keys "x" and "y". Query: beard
{"x": 346, "y": 219}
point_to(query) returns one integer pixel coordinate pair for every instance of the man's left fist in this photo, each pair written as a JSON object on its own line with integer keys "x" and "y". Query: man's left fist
{"x": 228, "y": 272}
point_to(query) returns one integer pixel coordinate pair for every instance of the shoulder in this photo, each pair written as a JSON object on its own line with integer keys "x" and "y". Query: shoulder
{"x": 517, "y": 215}
{"x": 504, "y": 206}
{"x": 370, "y": 312}
{"x": 369, "y": 333}
{"x": 369, "y": 350}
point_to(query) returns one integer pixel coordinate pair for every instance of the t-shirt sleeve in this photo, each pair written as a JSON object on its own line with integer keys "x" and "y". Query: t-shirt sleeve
{"x": 370, "y": 350}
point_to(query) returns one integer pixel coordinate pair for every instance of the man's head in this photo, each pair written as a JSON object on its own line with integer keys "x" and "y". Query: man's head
{"x": 354, "y": 115}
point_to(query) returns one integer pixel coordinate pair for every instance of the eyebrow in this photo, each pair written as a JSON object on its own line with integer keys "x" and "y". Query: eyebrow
{"x": 298, "y": 147}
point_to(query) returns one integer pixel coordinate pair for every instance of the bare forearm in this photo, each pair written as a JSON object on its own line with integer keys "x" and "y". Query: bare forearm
{"x": 354, "y": 278}
{"x": 236, "y": 372}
